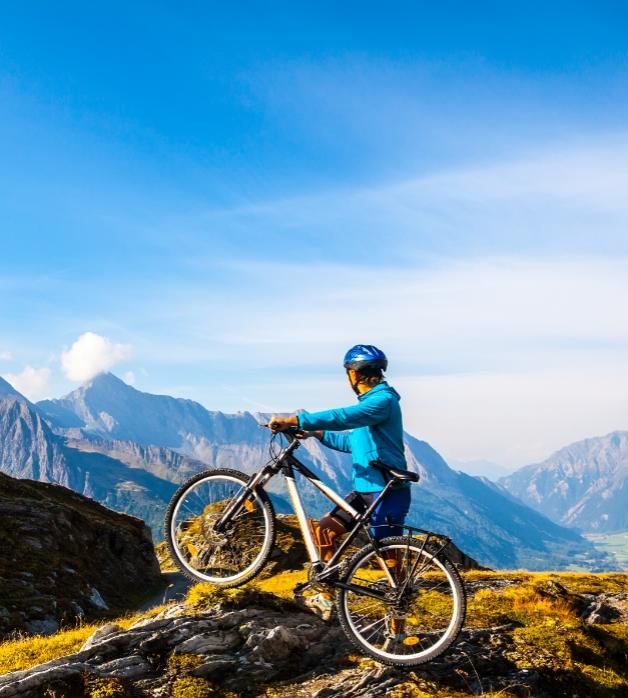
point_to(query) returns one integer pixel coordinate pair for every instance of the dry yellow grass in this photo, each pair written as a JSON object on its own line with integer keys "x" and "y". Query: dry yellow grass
{"x": 16, "y": 655}
{"x": 541, "y": 611}
{"x": 283, "y": 584}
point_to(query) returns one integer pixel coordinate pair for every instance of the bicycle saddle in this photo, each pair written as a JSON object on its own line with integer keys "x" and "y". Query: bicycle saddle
{"x": 396, "y": 473}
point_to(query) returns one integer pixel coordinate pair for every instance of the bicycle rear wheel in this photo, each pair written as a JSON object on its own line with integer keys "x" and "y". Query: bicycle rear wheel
{"x": 233, "y": 556}
{"x": 402, "y": 629}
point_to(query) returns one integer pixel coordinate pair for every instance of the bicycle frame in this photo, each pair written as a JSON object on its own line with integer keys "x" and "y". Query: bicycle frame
{"x": 288, "y": 463}
{"x": 378, "y": 586}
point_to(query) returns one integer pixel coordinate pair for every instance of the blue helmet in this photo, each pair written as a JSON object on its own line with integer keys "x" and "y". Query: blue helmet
{"x": 362, "y": 355}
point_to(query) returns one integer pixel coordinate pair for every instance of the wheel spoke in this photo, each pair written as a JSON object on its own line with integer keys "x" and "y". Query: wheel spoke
{"x": 419, "y": 620}
{"x": 222, "y": 557}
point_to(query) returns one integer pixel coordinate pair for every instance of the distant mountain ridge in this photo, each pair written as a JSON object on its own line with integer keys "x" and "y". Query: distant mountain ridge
{"x": 109, "y": 407}
{"x": 584, "y": 485}
{"x": 29, "y": 449}
{"x": 111, "y": 417}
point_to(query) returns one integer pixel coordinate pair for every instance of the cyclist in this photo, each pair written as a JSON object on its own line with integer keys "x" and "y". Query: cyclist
{"x": 376, "y": 435}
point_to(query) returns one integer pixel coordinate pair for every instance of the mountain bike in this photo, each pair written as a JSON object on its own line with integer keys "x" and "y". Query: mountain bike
{"x": 400, "y": 599}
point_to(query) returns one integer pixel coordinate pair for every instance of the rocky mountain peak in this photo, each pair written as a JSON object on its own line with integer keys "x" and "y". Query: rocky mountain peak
{"x": 27, "y": 446}
{"x": 108, "y": 407}
{"x": 582, "y": 485}
{"x": 104, "y": 385}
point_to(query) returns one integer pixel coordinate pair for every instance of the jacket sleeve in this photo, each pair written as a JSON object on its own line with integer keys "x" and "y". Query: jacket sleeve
{"x": 339, "y": 441}
{"x": 365, "y": 414}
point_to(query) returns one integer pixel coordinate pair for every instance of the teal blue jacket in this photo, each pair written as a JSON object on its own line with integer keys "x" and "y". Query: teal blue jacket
{"x": 377, "y": 434}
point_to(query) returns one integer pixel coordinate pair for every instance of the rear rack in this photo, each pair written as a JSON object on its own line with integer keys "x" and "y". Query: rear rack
{"x": 415, "y": 532}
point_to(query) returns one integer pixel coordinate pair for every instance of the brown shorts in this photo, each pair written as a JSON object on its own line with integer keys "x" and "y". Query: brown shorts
{"x": 360, "y": 501}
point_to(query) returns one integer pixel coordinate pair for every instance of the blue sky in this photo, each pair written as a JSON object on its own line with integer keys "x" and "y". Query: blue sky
{"x": 231, "y": 197}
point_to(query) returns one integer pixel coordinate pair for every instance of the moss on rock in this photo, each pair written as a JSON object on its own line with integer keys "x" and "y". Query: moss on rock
{"x": 104, "y": 687}
{"x": 194, "y": 687}
{"x": 182, "y": 664}
{"x": 205, "y": 596}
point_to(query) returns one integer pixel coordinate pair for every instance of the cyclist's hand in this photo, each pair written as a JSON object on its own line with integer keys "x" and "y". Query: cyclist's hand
{"x": 277, "y": 423}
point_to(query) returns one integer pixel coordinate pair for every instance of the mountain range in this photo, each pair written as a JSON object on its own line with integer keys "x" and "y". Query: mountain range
{"x": 480, "y": 468}
{"x": 583, "y": 486}
{"x": 129, "y": 449}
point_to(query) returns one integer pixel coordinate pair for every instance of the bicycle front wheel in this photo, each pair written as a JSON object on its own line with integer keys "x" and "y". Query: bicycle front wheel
{"x": 418, "y": 608}
{"x": 230, "y": 557}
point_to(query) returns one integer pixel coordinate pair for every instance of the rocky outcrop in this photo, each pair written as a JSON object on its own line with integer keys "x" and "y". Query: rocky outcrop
{"x": 254, "y": 644}
{"x": 65, "y": 557}
{"x": 242, "y": 650}
{"x": 231, "y": 646}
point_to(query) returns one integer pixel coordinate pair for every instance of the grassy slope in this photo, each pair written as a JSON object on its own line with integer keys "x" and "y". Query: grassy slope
{"x": 542, "y": 609}
{"x": 547, "y": 633}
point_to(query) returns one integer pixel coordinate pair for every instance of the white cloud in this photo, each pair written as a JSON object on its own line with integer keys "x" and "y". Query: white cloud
{"x": 129, "y": 378}
{"x": 516, "y": 418}
{"x": 592, "y": 175}
{"x": 91, "y": 354}
{"x": 31, "y": 382}
{"x": 562, "y": 201}
{"x": 498, "y": 358}
{"x": 5, "y": 356}
{"x": 450, "y": 315}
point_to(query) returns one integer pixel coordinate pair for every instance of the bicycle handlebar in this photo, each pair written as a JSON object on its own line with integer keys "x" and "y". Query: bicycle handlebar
{"x": 293, "y": 431}
{"x": 290, "y": 433}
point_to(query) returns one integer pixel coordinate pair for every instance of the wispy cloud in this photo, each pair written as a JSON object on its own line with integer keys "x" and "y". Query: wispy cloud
{"x": 507, "y": 275}
{"x": 31, "y": 382}
{"x": 590, "y": 175}
{"x": 489, "y": 304}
